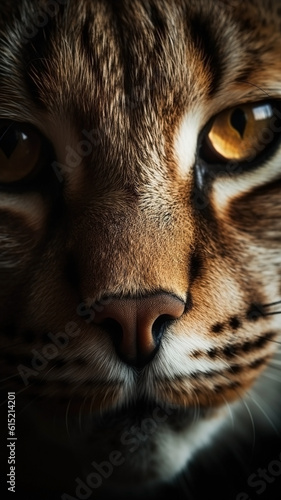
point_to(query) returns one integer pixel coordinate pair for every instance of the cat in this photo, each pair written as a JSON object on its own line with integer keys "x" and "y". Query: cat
{"x": 140, "y": 231}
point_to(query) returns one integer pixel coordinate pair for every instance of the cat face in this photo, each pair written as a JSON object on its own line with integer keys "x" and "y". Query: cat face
{"x": 140, "y": 218}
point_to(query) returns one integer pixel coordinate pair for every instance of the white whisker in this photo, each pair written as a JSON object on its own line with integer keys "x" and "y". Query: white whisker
{"x": 254, "y": 399}
{"x": 272, "y": 377}
{"x": 66, "y": 418}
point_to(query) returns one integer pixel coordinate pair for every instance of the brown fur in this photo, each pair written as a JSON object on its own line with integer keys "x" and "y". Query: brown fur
{"x": 124, "y": 222}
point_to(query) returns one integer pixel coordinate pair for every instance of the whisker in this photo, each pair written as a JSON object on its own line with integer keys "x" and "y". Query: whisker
{"x": 9, "y": 378}
{"x": 271, "y": 377}
{"x": 91, "y": 412}
{"x": 66, "y": 418}
{"x": 257, "y": 87}
{"x": 252, "y": 423}
{"x": 27, "y": 403}
{"x": 275, "y": 362}
{"x": 272, "y": 313}
{"x": 23, "y": 409}
{"x": 80, "y": 412}
{"x": 274, "y": 373}
{"x": 20, "y": 391}
{"x": 272, "y": 304}
{"x": 45, "y": 373}
{"x": 269, "y": 305}
{"x": 229, "y": 410}
{"x": 269, "y": 340}
{"x": 6, "y": 129}
{"x": 242, "y": 399}
{"x": 254, "y": 399}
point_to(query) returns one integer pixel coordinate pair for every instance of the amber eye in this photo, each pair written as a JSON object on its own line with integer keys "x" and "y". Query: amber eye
{"x": 21, "y": 149}
{"x": 241, "y": 133}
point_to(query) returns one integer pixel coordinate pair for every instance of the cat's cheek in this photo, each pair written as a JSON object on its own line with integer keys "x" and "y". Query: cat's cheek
{"x": 22, "y": 227}
{"x": 23, "y": 220}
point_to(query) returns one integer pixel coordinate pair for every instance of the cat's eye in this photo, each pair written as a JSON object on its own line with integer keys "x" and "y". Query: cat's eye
{"x": 21, "y": 151}
{"x": 241, "y": 133}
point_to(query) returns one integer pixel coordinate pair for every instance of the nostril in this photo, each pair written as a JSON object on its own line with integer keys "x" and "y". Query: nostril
{"x": 113, "y": 328}
{"x": 159, "y": 326}
{"x": 136, "y": 325}
{"x": 115, "y": 332}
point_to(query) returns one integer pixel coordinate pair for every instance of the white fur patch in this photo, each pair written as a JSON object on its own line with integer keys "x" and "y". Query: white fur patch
{"x": 186, "y": 141}
{"x": 229, "y": 186}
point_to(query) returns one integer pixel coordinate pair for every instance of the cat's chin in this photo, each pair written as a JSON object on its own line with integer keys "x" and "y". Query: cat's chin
{"x": 142, "y": 443}
{"x": 145, "y": 443}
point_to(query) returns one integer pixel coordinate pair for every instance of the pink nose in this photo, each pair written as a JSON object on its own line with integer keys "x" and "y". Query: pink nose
{"x": 136, "y": 326}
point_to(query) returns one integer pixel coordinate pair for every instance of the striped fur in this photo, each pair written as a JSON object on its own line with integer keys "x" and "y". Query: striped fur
{"x": 122, "y": 92}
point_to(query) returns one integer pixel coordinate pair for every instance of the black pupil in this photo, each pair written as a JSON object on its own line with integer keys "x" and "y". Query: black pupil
{"x": 9, "y": 139}
{"x": 238, "y": 121}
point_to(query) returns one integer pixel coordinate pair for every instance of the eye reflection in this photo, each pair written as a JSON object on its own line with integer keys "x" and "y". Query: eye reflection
{"x": 239, "y": 133}
{"x": 21, "y": 149}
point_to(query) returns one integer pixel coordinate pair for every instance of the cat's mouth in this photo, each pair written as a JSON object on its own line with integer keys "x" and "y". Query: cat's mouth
{"x": 148, "y": 414}
{"x": 140, "y": 411}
